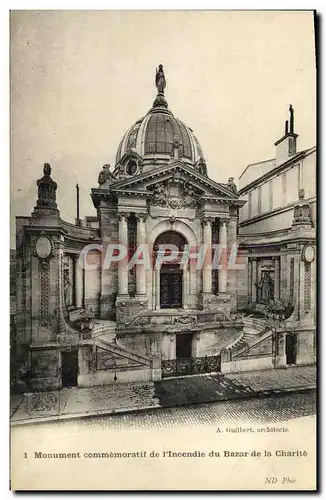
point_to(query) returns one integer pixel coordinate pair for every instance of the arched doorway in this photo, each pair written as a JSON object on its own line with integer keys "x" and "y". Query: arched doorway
{"x": 170, "y": 276}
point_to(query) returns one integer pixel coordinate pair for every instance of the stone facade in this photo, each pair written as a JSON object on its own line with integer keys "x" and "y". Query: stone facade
{"x": 84, "y": 320}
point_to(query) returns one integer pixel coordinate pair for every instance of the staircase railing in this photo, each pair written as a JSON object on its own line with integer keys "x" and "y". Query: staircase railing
{"x": 265, "y": 334}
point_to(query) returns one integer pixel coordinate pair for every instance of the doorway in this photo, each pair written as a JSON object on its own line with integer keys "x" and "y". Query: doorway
{"x": 184, "y": 345}
{"x": 183, "y": 354}
{"x": 291, "y": 349}
{"x": 169, "y": 291}
{"x": 69, "y": 368}
{"x": 171, "y": 287}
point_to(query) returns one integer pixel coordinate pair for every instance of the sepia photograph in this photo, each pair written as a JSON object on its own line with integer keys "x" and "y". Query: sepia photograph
{"x": 163, "y": 280}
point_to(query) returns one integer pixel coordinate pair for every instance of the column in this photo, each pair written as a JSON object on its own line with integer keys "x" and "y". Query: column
{"x": 123, "y": 264}
{"x": 153, "y": 274}
{"x": 233, "y": 287}
{"x": 78, "y": 283}
{"x": 84, "y": 288}
{"x": 222, "y": 273}
{"x": 277, "y": 278}
{"x": 249, "y": 280}
{"x": 254, "y": 280}
{"x": 141, "y": 240}
{"x": 185, "y": 284}
{"x": 207, "y": 268}
{"x": 157, "y": 287}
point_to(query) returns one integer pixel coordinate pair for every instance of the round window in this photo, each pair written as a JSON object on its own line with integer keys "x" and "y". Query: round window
{"x": 131, "y": 168}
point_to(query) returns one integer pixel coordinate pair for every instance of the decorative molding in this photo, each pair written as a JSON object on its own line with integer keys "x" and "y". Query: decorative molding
{"x": 291, "y": 291}
{"x": 123, "y": 215}
{"x": 224, "y": 221}
{"x": 44, "y": 283}
{"x": 208, "y": 220}
{"x": 34, "y": 241}
{"x": 174, "y": 194}
{"x": 308, "y": 253}
{"x": 184, "y": 320}
{"x": 188, "y": 175}
{"x": 141, "y": 216}
{"x": 307, "y": 287}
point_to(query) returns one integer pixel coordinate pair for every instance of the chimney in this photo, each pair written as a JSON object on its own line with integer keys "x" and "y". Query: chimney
{"x": 287, "y": 145}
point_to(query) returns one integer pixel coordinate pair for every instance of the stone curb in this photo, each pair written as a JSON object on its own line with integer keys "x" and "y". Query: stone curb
{"x": 139, "y": 409}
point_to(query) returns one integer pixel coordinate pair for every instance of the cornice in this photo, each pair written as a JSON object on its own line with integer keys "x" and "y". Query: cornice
{"x": 178, "y": 167}
{"x": 273, "y": 212}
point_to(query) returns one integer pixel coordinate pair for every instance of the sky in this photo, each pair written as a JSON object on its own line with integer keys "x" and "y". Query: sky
{"x": 80, "y": 79}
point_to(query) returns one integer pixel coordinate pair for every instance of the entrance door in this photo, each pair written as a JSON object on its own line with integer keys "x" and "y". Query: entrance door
{"x": 183, "y": 354}
{"x": 184, "y": 345}
{"x": 291, "y": 349}
{"x": 171, "y": 288}
{"x": 69, "y": 368}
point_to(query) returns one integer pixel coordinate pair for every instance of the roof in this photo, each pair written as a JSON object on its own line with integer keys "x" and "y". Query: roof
{"x": 155, "y": 135}
{"x": 271, "y": 170}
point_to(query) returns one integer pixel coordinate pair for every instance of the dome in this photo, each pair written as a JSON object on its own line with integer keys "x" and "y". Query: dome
{"x": 160, "y": 136}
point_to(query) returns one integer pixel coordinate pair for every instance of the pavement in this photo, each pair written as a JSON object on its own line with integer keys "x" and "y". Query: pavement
{"x": 72, "y": 403}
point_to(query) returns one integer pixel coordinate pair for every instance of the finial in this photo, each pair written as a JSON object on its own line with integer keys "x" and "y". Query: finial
{"x": 47, "y": 169}
{"x": 77, "y": 204}
{"x": 301, "y": 194}
{"x": 291, "y": 119}
{"x": 105, "y": 174}
{"x": 232, "y": 185}
{"x": 46, "y": 192}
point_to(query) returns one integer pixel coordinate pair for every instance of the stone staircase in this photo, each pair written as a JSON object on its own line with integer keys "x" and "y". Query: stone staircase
{"x": 244, "y": 340}
{"x": 253, "y": 330}
{"x": 104, "y": 329}
{"x": 104, "y": 337}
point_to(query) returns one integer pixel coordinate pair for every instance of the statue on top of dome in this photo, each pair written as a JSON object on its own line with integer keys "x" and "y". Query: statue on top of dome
{"x": 160, "y": 81}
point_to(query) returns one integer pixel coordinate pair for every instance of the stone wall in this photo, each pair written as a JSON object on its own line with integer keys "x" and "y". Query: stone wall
{"x": 144, "y": 344}
{"x": 45, "y": 370}
{"x": 306, "y": 347}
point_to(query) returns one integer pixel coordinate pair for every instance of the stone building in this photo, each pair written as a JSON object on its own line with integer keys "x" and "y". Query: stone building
{"x": 82, "y": 322}
{"x": 277, "y": 232}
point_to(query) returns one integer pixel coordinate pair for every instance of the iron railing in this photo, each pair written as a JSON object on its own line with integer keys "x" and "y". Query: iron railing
{"x": 190, "y": 366}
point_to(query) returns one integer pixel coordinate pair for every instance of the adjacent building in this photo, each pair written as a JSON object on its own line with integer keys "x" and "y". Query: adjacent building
{"x": 277, "y": 231}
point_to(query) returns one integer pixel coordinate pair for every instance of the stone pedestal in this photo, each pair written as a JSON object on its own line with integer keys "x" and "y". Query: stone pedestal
{"x": 156, "y": 367}
{"x": 219, "y": 302}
